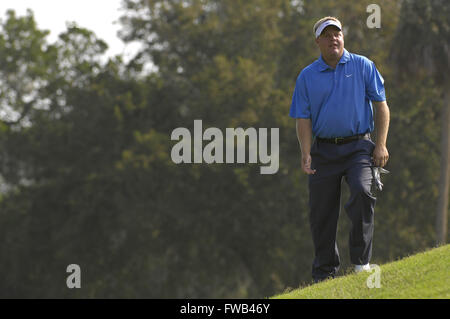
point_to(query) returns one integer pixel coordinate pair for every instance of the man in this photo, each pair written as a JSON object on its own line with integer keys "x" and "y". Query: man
{"x": 333, "y": 100}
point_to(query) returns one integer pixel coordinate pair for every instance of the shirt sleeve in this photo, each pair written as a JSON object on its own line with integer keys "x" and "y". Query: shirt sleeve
{"x": 374, "y": 83}
{"x": 300, "y": 107}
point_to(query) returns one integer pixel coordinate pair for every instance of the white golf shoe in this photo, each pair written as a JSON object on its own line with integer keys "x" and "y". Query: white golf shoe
{"x": 360, "y": 268}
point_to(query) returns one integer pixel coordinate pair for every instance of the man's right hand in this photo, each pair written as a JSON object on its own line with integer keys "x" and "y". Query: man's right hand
{"x": 306, "y": 164}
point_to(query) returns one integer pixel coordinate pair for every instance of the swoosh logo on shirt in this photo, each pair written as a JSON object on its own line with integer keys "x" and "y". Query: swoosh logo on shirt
{"x": 348, "y": 75}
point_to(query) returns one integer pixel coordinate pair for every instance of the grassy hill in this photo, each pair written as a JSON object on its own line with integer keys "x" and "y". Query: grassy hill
{"x": 425, "y": 275}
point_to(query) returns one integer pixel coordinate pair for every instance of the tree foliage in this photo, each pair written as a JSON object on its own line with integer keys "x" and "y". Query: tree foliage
{"x": 85, "y": 152}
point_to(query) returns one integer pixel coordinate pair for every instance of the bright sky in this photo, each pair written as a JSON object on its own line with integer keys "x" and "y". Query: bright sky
{"x": 99, "y": 16}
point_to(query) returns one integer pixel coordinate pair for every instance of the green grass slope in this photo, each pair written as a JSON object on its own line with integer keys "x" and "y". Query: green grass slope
{"x": 422, "y": 276}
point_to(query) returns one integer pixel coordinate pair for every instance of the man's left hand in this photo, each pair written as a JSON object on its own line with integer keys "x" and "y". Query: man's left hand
{"x": 380, "y": 155}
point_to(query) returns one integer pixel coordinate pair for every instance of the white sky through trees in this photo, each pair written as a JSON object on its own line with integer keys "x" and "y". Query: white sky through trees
{"x": 99, "y": 16}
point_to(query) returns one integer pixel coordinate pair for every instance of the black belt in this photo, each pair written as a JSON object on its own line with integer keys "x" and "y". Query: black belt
{"x": 344, "y": 140}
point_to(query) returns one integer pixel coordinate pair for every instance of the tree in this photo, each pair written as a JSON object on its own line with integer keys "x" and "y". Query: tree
{"x": 421, "y": 46}
{"x": 90, "y": 176}
{"x": 26, "y": 67}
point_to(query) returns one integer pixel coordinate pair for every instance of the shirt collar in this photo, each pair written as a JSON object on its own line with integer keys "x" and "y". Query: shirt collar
{"x": 323, "y": 65}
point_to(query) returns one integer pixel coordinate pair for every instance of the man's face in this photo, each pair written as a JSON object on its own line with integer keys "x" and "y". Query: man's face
{"x": 331, "y": 42}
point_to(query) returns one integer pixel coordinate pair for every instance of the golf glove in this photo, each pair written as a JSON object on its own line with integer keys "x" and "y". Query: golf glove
{"x": 376, "y": 172}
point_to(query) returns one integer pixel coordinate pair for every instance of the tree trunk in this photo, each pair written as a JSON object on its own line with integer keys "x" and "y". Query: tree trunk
{"x": 442, "y": 211}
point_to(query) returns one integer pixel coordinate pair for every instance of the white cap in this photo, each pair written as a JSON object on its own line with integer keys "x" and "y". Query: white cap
{"x": 326, "y": 24}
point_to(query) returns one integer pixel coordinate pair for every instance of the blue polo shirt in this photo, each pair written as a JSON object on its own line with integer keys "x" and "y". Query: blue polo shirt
{"x": 338, "y": 101}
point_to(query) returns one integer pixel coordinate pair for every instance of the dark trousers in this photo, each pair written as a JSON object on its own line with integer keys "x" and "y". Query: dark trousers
{"x": 332, "y": 162}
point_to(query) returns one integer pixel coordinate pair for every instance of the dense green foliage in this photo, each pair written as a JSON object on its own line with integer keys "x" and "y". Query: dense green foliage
{"x": 87, "y": 176}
